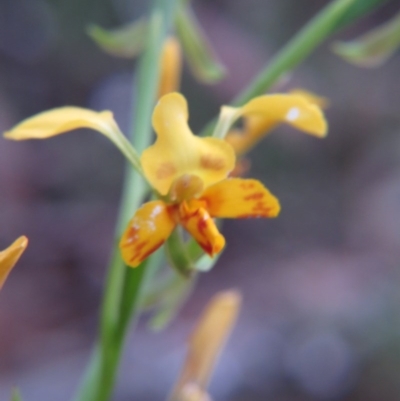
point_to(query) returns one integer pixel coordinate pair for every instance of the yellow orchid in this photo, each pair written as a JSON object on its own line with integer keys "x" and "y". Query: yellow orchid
{"x": 190, "y": 173}
{"x": 300, "y": 109}
{"x": 9, "y": 257}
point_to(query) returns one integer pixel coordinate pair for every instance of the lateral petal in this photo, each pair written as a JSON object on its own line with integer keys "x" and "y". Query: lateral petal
{"x": 151, "y": 225}
{"x": 292, "y": 109}
{"x": 263, "y": 113}
{"x": 197, "y": 221}
{"x": 57, "y": 121}
{"x": 240, "y": 198}
{"x": 9, "y": 257}
{"x": 177, "y": 151}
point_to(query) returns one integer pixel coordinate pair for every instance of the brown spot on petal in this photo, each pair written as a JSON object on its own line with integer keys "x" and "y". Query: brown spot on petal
{"x": 150, "y": 251}
{"x": 202, "y": 225}
{"x": 207, "y": 247}
{"x": 165, "y": 170}
{"x": 255, "y": 196}
{"x": 131, "y": 237}
{"x": 261, "y": 209}
{"x": 140, "y": 253}
{"x": 247, "y": 185}
{"x": 212, "y": 163}
{"x": 138, "y": 250}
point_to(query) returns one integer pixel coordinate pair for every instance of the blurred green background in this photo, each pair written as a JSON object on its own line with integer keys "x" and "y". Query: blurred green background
{"x": 321, "y": 315}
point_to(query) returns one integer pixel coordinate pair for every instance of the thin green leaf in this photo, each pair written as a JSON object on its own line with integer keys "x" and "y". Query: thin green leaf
{"x": 196, "y": 47}
{"x": 373, "y": 48}
{"x": 127, "y": 41}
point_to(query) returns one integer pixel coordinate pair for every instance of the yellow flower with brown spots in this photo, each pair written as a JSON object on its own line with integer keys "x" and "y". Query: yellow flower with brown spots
{"x": 190, "y": 174}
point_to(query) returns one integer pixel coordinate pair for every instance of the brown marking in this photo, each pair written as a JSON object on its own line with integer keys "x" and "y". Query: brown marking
{"x": 206, "y": 248}
{"x": 258, "y": 210}
{"x": 155, "y": 247}
{"x": 255, "y": 196}
{"x": 165, "y": 170}
{"x": 138, "y": 249}
{"x": 247, "y": 185}
{"x": 137, "y": 253}
{"x": 202, "y": 226}
{"x": 212, "y": 163}
{"x": 261, "y": 208}
{"x": 131, "y": 234}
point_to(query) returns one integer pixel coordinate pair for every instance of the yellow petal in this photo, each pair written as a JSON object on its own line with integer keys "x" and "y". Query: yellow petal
{"x": 171, "y": 66}
{"x": 292, "y": 109}
{"x": 263, "y": 113}
{"x": 177, "y": 151}
{"x": 9, "y": 257}
{"x": 240, "y": 198}
{"x": 197, "y": 221}
{"x": 206, "y": 343}
{"x": 151, "y": 225}
{"x": 57, "y": 121}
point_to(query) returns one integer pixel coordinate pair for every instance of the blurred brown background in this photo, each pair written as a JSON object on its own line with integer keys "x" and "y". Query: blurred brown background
{"x": 321, "y": 315}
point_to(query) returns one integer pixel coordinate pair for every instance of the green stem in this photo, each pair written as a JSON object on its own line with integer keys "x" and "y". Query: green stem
{"x": 123, "y": 285}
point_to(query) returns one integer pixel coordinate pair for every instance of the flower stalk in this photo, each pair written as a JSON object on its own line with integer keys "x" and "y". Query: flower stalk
{"x": 123, "y": 285}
